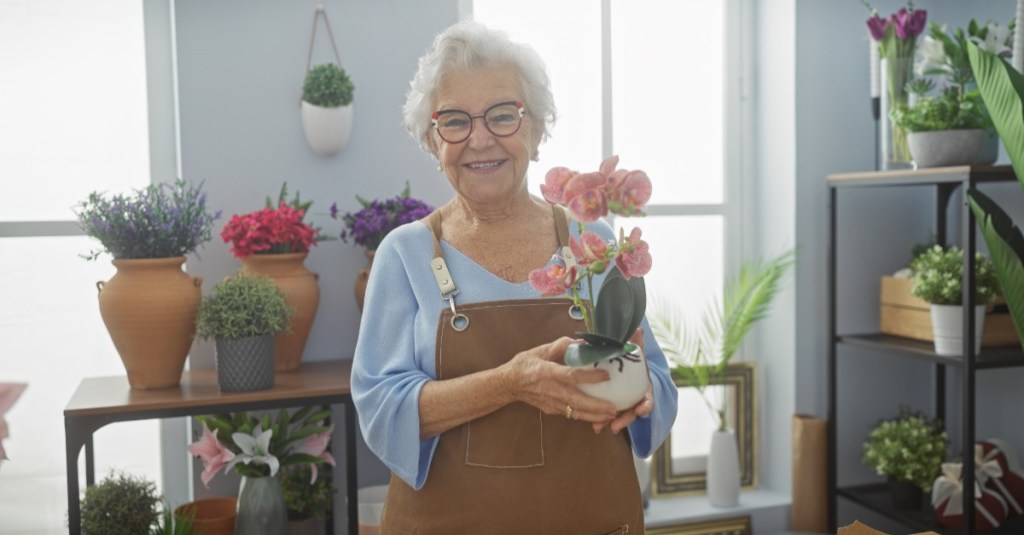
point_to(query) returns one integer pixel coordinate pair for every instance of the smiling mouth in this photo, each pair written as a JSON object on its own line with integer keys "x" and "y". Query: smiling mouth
{"x": 485, "y": 165}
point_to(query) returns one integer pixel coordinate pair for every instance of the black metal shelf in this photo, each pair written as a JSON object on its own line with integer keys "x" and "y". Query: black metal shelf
{"x": 989, "y": 358}
{"x": 875, "y": 497}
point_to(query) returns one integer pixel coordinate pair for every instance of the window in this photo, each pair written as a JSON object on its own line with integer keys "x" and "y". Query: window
{"x": 73, "y": 77}
{"x": 644, "y": 80}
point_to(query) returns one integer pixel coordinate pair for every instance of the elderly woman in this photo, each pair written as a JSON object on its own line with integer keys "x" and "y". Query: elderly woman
{"x": 457, "y": 377}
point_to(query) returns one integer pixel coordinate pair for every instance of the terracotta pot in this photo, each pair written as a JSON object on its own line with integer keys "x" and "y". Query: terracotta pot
{"x": 301, "y": 292}
{"x": 362, "y": 278}
{"x": 149, "y": 308}
{"x": 212, "y": 516}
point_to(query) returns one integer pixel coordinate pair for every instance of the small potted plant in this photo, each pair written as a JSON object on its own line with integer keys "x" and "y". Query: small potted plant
{"x": 242, "y": 315}
{"x": 121, "y": 504}
{"x": 937, "y": 278}
{"x": 306, "y": 500}
{"x": 327, "y": 108}
{"x": 909, "y": 450}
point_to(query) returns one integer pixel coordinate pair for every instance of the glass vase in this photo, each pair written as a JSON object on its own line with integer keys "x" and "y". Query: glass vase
{"x": 895, "y": 73}
{"x": 261, "y": 509}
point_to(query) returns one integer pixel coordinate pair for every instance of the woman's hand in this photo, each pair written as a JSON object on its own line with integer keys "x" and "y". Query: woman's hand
{"x": 641, "y": 409}
{"x": 536, "y": 377}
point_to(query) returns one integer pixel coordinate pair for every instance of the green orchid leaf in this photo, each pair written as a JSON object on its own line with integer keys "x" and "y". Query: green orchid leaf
{"x": 613, "y": 313}
{"x": 599, "y": 340}
{"x": 1006, "y": 248}
{"x": 1002, "y": 89}
{"x": 578, "y": 355}
{"x": 639, "y": 289}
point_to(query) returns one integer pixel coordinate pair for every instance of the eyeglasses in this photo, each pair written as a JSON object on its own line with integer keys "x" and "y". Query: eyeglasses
{"x": 502, "y": 120}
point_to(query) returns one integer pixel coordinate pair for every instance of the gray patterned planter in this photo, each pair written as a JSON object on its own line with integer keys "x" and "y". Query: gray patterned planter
{"x": 245, "y": 364}
{"x": 945, "y": 147}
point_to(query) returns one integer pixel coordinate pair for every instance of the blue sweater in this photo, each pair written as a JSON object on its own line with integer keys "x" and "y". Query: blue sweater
{"x": 394, "y": 355}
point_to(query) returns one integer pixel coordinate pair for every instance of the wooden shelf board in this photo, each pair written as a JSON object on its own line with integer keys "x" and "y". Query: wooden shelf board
{"x": 911, "y": 177}
{"x": 989, "y": 358}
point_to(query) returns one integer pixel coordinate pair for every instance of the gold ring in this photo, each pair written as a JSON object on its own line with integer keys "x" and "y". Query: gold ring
{"x": 568, "y": 411}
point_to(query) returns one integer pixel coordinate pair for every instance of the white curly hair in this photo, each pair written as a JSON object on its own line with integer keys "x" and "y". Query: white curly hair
{"x": 469, "y": 45}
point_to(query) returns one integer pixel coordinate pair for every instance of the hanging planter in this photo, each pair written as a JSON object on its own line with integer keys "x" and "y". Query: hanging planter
{"x": 326, "y": 104}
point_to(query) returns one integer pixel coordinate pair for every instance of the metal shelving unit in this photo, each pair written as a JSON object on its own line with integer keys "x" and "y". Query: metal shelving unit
{"x": 945, "y": 181}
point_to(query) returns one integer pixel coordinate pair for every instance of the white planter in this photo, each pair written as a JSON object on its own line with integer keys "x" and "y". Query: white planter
{"x": 628, "y": 380}
{"x": 723, "y": 474}
{"x": 945, "y": 147}
{"x": 948, "y": 328}
{"x": 327, "y": 129}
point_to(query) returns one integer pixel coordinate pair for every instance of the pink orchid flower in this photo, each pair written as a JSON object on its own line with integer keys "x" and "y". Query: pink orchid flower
{"x": 628, "y": 192}
{"x": 608, "y": 165}
{"x": 554, "y": 184}
{"x": 584, "y": 195}
{"x": 316, "y": 445}
{"x": 634, "y": 260}
{"x": 214, "y": 455}
{"x": 590, "y": 250}
{"x": 554, "y": 279}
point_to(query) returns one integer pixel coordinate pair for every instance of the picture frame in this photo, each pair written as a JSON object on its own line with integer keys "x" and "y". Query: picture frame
{"x": 682, "y": 470}
{"x": 721, "y": 526}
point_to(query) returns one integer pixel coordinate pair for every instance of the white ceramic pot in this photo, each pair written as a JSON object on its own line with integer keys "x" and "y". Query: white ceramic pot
{"x": 948, "y": 328}
{"x": 945, "y": 147}
{"x": 723, "y": 474}
{"x": 327, "y": 129}
{"x": 628, "y": 380}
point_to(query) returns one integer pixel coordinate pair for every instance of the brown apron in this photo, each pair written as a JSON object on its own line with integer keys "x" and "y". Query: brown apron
{"x": 515, "y": 470}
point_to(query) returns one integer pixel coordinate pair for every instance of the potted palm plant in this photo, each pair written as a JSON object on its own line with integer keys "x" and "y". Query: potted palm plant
{"x": 327, "y": 108}
{"x": 701, "y": 353}
{"x": 242, "y": 315}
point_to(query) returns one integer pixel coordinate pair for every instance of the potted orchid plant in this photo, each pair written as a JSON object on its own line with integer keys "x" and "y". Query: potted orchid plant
{"x": 257, "y": 448}
{"x": 622, "y": 299}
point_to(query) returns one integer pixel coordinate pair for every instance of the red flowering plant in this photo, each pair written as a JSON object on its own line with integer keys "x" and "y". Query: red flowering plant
{"x": 621, "y": 301}
{"x": 272, "y": 230}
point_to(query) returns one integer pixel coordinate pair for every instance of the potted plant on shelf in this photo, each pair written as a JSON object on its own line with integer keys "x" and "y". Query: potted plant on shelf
{"x": 120, "y": 504}
{"x": 307, "y": 501}
{"x": 937, "y": 276}
{"x": 242, "y": 315}
{"x": 275, "y": 241}
{"x": 257, "y": 448}
{"x": 701, "y": 352}
{"x": 368, "y": 226}
{"x": 149, "y": 306}
{"x": 327, "y": 108}
{"x": 909, "y": 450}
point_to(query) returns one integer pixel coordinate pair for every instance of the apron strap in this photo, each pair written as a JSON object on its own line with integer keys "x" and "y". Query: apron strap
{"x": 562, "y": 230}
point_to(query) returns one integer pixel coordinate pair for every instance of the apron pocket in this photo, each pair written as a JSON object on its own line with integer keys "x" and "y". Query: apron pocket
{"x": 510, "y": 437}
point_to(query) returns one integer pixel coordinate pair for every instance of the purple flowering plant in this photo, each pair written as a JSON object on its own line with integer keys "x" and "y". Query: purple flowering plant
{"x": 159, "y": 221}
{"x": 376, "y": 219}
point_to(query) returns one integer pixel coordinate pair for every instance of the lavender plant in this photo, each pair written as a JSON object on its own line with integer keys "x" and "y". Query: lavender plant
{"x": 159, "y": 221}
{"x": 376, "y": 219}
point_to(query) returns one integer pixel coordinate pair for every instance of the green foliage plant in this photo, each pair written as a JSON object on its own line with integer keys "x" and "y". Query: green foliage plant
{"x": 171, "y": 524}
{"x": 945, "y": 111}
{"x": 304, "y": 499}
{"x": 620, "y": 307}
{"x": 243, "y": 306}
{"x": 910, "y": 448}
{"x": 121, "y": 504}
{"x": 700, "y": 353}
{"x": 1002, "y": 88}
{"x": 328, "y": 86}
{"x": 938, "y": 276}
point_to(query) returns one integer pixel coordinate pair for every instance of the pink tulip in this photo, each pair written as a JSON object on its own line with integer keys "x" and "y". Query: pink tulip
{"x": 634, "y": 259}
{"x": 214, "y": 455}
{"x": 316, "y": 445}
{"x": 554, "y": 279}
{"x": 628, "y": 192}
{"x": 554, "y": 184}
{"x": 589, "y": 250}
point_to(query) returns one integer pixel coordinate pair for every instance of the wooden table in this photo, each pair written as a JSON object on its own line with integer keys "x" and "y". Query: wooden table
{"x": 99, "y": 401}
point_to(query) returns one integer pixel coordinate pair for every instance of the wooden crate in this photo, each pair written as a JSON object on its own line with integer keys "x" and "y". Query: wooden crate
{"x": 903, "y": 314}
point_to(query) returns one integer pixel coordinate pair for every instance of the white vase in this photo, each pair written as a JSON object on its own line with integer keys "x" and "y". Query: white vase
{"x": 628, "y": 380}
{"x": 948, "y": 328}
{"x": 643, "y": 476}
{"x": 723, "y": 473}
{"x": 327, "y": 129}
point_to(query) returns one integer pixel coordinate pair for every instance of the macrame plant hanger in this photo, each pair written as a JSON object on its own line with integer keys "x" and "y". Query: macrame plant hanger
{"x": 327, "y": 129}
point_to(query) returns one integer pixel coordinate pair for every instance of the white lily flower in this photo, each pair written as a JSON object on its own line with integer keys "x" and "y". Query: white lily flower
{"x": 995, "y": 40}
{"x": 255, "y": 449}
{"x": 932, "y": 55}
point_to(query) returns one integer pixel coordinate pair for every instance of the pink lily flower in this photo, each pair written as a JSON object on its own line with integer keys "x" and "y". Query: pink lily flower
{"x": 634, "y": 259}
{"x": 554, "y": 279}
{"x": 628, "y": 192}
{"x": 585, "y": 197}
{"x": 214, "y": 455}
{"x": 589, "y": 250}
{"x": 316, "y": 445}
{"x": 554, "y": 184}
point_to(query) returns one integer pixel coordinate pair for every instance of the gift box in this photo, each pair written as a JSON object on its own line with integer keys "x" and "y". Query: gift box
{"x": 990, "y": 509}
{"x": 1010, "y": 479}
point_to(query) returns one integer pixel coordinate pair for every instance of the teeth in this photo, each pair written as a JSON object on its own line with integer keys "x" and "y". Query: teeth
{"x": 484, "y": 165}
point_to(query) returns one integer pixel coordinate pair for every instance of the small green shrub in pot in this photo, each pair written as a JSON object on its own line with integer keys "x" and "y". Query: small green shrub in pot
{"x": 938, "y": 276}
{"x": 304, "y": 499}
{"x": 243, "y": 306}
{"x": 121, "y": 504}
{"x": 945, "y": 111}
{"x": 328, "y": 86}
{"x": 909, "y": 448}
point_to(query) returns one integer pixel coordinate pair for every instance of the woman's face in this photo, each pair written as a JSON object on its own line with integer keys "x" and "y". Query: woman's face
{"x": 484, "y": 169}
